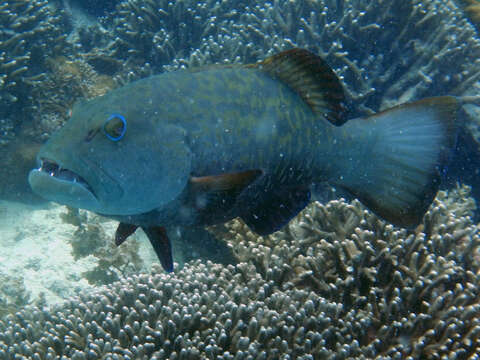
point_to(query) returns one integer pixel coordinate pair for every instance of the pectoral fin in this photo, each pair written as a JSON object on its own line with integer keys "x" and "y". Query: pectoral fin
{"x": 224, "y": 182}
{"x": 161, "y": 244}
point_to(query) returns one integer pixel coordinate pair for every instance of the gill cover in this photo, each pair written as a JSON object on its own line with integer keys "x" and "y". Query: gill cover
{"x": 152, "y": 166}
{"x": 150, "y": 162}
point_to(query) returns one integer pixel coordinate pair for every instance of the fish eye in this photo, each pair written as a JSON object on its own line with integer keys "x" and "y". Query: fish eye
{"x": 115, "y": 127}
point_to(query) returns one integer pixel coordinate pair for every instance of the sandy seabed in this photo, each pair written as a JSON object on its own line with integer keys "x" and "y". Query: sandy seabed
{"x": 35, "y": 246}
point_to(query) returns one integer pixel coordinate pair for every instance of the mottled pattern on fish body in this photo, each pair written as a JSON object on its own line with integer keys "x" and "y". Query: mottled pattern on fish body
{"x": 236, "y": 119}
{"x": 203, "y": 146}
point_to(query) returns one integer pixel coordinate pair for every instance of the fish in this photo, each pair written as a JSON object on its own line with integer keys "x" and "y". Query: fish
{"x": 196, "y": 147}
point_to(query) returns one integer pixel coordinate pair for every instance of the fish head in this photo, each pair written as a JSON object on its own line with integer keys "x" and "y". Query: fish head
{"x": 112, "y": 158}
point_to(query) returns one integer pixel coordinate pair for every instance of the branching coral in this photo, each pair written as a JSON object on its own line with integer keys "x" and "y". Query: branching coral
{"x": 385, "y": 52}
{"x": 406, "y": 280}
{"x": 30, "y": 30}
{"x": 38, "y": 85}
{"x": 432, "y": 48}
{"x": 115, "y": 262}
{"x": 337, "y": 283}
{"x": 205, "y": 311}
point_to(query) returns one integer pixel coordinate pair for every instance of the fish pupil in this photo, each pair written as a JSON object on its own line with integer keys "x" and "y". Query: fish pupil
{"x": 115, "y": 127}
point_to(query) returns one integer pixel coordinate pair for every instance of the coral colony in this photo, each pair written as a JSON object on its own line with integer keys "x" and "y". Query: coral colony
{"x": 338, "y": 282}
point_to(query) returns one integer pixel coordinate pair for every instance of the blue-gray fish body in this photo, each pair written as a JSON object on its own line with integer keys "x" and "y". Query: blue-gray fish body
{"x": 201, "y": 147}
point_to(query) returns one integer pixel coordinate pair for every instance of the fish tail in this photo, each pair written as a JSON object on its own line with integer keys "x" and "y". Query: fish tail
{"x": 393, "y": 161}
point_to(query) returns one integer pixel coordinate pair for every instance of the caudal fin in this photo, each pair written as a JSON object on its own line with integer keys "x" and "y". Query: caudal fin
{"x": 397, "y": 156}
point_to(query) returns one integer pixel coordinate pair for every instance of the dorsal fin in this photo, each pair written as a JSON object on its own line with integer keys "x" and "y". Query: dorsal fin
{"x": 309, "y": 76}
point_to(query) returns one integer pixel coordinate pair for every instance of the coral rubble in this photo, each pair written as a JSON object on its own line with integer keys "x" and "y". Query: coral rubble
{"x": 337, "y": 283}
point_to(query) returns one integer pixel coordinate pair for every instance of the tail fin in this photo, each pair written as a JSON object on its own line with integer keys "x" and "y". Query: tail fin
{"x": 393, "y": 160}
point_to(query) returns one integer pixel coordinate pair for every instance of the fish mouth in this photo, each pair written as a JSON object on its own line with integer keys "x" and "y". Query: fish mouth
{"x": 56, "y": 171}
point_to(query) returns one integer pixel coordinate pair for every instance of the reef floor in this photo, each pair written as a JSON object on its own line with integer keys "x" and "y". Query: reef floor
{"x": 36, "y": 254}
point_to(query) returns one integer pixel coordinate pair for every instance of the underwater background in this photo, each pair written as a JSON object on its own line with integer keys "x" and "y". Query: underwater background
{"x": 337, "y": 282}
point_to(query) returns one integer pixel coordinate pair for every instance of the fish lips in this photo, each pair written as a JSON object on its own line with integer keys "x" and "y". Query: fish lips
{"x": 62, "y": 191}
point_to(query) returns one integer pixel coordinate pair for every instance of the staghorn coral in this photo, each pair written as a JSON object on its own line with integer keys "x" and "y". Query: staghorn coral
{"x": 30, "y": 31}
{"x": 346, "y": 254}
{"x": 66, "y": 83}
{"x": 337, "y": 283}
{"x": 114, "y": 262}
{"x": 206, "y": 311}
{"x": 385, "y": 52}
{"x": 432, "y": 49}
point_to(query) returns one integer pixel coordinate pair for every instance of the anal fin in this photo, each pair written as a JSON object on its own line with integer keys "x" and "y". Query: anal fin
{"x": 276, "y": 209}
{"x": 161, "y": 244}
